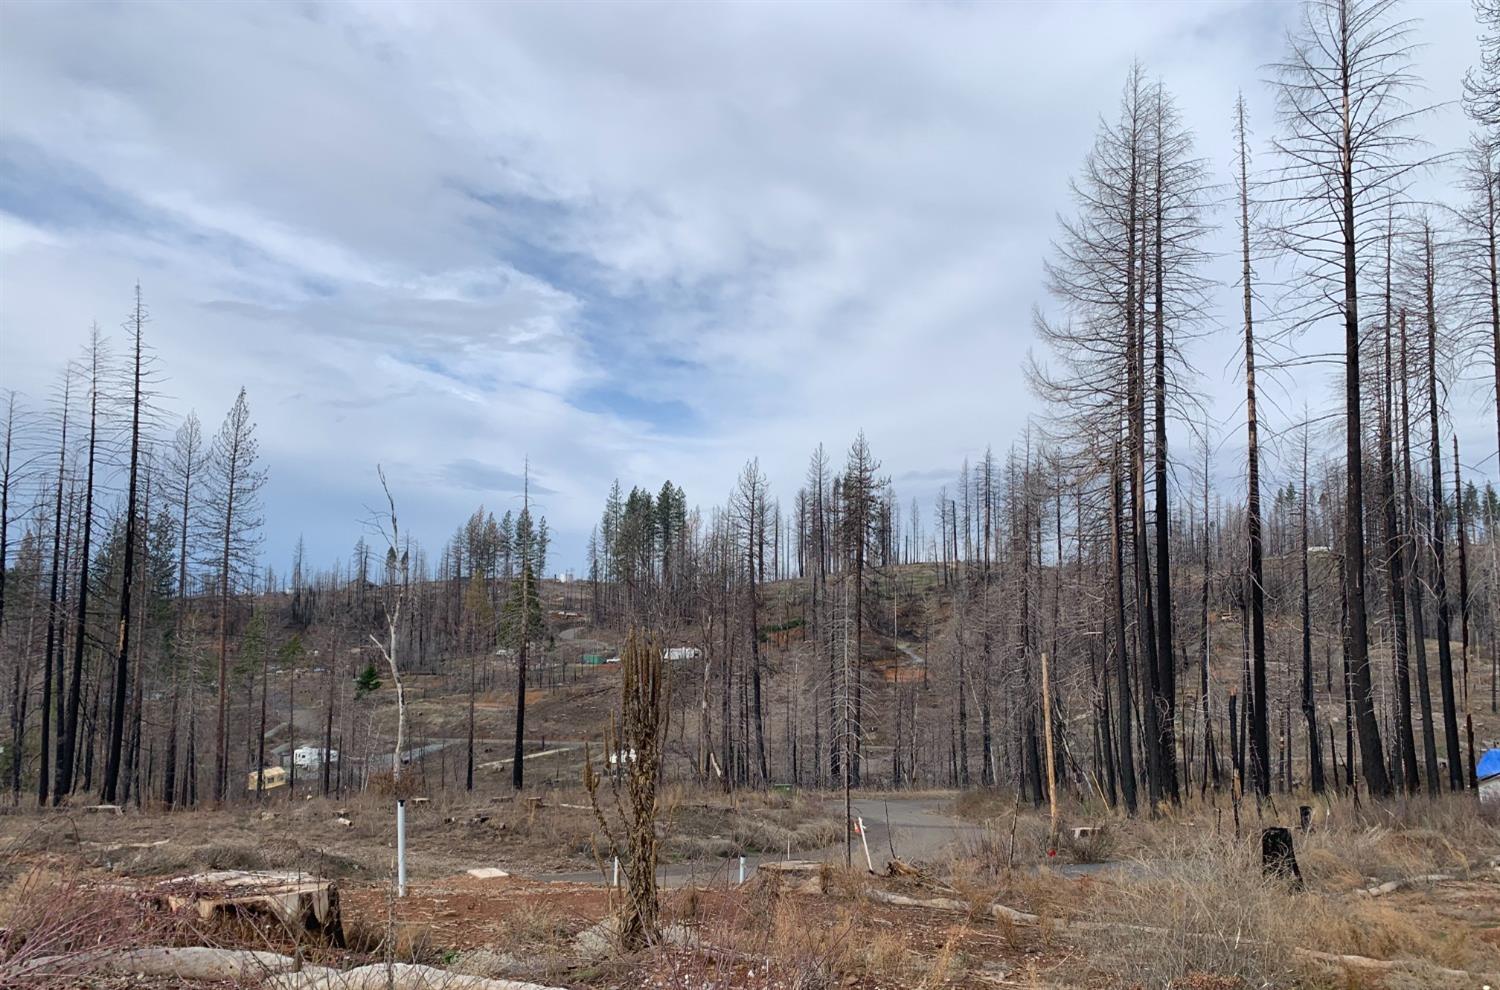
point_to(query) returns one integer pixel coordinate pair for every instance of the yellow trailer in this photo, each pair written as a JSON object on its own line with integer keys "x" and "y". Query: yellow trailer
{"x": 273, "y": 776}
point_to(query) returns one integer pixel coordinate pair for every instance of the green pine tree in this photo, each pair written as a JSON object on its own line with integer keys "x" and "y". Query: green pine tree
{"x": 510, "y": 615}
{"x": 367, "y": 681}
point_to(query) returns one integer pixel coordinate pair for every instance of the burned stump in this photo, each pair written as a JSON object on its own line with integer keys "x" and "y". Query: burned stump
{"x": 1277, "y": 858}
{"x": 300, "y": 903}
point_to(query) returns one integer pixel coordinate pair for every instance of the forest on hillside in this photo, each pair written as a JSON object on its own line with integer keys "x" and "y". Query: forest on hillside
{"x": 1337, "y": 630}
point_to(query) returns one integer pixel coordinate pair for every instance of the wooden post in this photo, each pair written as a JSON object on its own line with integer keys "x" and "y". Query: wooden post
{"x": 1051, "y": 759}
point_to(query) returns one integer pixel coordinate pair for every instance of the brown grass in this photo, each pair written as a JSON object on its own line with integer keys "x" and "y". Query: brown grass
{"x": 1205, "y": 909}
{"x": 50, "y": 914}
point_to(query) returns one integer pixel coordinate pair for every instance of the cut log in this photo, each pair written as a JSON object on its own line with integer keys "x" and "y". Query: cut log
{"x": 396, "y": 976}
{"x": 1382, "y": 965}
{"x": 794, "y": 875}
{"x": 238, "y": 966}
{"x": 299, "y": 902}
{"x": 245, "y": 967}
{"x": 932, "y": 903}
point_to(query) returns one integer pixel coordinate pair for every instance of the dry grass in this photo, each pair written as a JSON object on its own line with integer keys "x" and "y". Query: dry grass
{"x": 1190, "y": 903}
{"x": 47, "y": 914}
{"x": 1205, "y": 909}
{"x": 708, "y": 826}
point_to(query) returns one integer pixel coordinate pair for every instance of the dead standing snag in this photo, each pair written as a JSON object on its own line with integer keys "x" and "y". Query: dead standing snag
{"x": 635, "y": 740}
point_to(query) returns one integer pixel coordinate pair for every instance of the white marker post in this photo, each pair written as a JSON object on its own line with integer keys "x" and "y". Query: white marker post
{"x": 401, "y": 848}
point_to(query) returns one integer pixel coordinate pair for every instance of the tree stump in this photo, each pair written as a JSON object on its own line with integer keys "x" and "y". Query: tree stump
{"x": 299, "y": 902}
{"x": 1277, "y": 858}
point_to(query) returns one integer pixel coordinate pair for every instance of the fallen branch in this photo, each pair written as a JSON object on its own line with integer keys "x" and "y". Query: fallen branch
{"x": 271, "y": 970}
{"x": 1391, "y": 886}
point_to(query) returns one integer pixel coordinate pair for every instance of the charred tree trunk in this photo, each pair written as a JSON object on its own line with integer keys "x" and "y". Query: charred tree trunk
{"x": 1414, "y": 578}
{"x": 68, "y": 742}
{"x": 1439, "y": 542}
{"x": 127, "y": 578}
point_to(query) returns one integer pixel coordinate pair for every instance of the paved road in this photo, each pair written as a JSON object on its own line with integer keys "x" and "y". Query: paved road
{"x": 920, "y": 829}
{"x": 914, "y": 829}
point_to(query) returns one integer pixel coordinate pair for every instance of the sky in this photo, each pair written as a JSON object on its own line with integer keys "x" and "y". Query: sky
{"x": 611, "y": 240}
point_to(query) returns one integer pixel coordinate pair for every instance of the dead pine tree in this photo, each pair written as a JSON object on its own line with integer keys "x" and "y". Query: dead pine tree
{"x": 748, "y": 507}
{"x": 1478, "y": 244}
{"x": 1259, "y": 715}
{"x": 1341, "y": 92}
{"x": 635, "y": 743}
{"x": 1309, "y": 696}
{"x": 232, "y": 520}
{"x": 1463, "y": 610}
{"x": 68, "y": 730}
{"x": 1411, "y": 571}
{"x": 860, "y": 487}
{"x": 54, "y": 625}
{"x": 1439, "y": 513}
{"x": 1394, "y": 543}
{"x": 185, "y": 459}
{"x": 1482, "y": 82}
{"x": 139, "y": 370}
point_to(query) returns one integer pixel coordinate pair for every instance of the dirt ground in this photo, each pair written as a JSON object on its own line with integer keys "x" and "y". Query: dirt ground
{"x": 1179, "y": 901}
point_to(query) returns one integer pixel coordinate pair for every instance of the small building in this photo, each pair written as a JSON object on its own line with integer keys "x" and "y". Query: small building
{"x": 266, "y": 778}
{"x": 311, "y": 757}
{"x": 681, "y": 653}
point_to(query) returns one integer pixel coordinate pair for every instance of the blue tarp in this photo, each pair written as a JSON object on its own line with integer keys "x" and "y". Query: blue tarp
{"x": 1489, "y": 764}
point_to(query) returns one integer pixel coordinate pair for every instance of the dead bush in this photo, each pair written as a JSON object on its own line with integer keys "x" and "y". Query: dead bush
{"x": 404, "y": 942}
{"x": 46, "y": 915}
{"x": 999, "y": 845}
{"x": 1097, "y": 845}
{"x": 1205, "y": 909}
{"x": 533, "y": 926}
{"x": 884, "y": 956}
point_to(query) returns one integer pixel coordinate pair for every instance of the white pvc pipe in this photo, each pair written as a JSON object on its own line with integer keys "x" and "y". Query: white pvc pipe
{"x": 400, "y": 848}
{"x": 615, "y": 877}
{"x": 742, "y": 869}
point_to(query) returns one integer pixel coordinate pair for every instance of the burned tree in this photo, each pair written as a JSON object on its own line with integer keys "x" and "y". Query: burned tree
{"x": 634, "y": 746}
{"x": 1341, "y": 95}
{"x": 231, "y": 508}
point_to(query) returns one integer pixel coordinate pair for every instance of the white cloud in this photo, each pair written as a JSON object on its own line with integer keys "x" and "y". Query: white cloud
{"x": 437, "y": 234}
